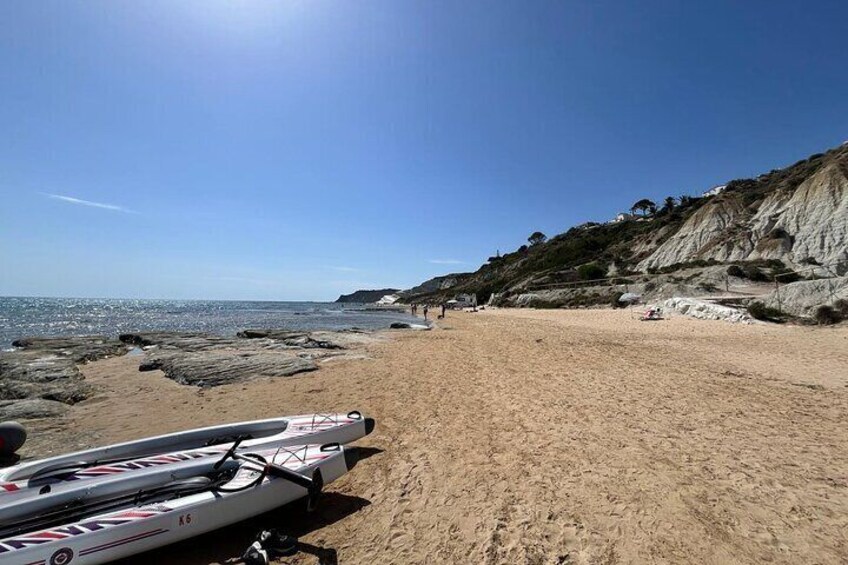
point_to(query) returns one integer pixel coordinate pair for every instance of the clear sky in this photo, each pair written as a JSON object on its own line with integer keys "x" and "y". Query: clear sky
{"x": 297, "y": 150}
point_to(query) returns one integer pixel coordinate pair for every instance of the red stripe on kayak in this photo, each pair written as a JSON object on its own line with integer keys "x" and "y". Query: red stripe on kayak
{"x": 48, "y": 535}
{"x": 116, "y": 543}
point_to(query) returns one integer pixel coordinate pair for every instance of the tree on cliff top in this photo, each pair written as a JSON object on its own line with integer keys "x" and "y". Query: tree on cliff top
{"x": 644, "y": 206}
{"x": 537, "y": 237}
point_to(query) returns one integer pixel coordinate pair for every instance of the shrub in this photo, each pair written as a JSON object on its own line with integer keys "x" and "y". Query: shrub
{"x": 736, "y": 271}
{"x": 591, "y": 271}
{"x": 827, "y": 315}
{"x": 841, "y": 306}
{"x": 753, "y": 273}
{"x": 760, "y": 311}
{"x": 542, "y": 304}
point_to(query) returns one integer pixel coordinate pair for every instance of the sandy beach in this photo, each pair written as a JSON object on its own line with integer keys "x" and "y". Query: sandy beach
{"x": 549, "y": 437}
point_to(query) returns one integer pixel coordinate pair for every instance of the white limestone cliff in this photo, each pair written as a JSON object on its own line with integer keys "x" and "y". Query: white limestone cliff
{"x": 810, "y": 223}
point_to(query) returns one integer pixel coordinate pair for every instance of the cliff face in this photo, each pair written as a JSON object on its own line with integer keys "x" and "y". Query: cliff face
{"x": 799, "y": 227}
{"x": 435, "y": 284}
{"x": 704, "y": 234}
{"x": 797, "y": 215}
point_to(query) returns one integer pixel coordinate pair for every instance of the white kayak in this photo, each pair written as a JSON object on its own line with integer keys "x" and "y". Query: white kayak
{"x": 178, "y": 449}
{"x": 104, "y": 521}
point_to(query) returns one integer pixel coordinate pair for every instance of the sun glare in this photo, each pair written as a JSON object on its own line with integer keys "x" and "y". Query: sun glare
{"x": 243, "y": 17}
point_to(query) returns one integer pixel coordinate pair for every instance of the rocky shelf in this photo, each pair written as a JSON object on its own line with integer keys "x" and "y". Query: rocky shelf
{"x": 41, "y": 377}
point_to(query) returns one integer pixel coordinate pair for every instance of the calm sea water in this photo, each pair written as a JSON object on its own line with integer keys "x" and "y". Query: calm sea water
{"x": 20, "y": 317}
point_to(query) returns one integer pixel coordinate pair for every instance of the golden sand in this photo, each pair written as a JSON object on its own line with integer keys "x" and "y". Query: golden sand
{"x": 522, "y": 436}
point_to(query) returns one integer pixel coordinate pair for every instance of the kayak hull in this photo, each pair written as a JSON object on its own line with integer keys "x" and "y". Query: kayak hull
{"x": 136, "y": 456}
{"x": 132, "y": 530}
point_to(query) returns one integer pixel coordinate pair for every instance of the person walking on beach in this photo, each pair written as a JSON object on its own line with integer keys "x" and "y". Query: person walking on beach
{"x": 426, "y": 309}
{"x": 444, "y": 307}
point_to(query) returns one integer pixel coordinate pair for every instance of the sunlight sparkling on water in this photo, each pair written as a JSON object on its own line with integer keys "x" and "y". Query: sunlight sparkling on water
{"x": 28, "y": 317}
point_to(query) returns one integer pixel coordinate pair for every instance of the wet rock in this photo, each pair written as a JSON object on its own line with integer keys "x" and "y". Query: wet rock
{"x": 406, "y": 326}
{"x": 80, "y": 349}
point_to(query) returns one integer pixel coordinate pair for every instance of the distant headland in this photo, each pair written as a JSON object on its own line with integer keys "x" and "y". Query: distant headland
{"x": 366, "y": 296}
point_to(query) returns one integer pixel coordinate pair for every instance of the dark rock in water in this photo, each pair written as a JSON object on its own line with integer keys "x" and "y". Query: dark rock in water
{"x": 31, "y": 408}
{"x": 214, "y": 369}
{"x": 45, "y": 369}
{"x": 407, "y": 326}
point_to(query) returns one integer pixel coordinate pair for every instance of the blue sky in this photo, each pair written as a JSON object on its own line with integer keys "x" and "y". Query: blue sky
{"x": 297, "y": 150}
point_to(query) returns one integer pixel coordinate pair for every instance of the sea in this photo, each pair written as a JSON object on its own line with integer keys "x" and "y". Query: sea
{"x": 53, "y": 317}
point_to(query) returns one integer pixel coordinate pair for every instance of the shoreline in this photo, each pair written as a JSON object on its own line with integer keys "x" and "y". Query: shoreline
{"x": 543, "y": 436}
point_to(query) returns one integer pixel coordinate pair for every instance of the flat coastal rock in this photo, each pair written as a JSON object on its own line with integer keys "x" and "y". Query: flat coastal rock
{"x": 39, "y": 378}
{"x": 214, "y": 369}
{"x": 205, "y": 360}
{"x": 180, "y": 340}
{"x": 31, "y": 408}
{"x": 79, "y": 349}
{"x": 293, "y": 339}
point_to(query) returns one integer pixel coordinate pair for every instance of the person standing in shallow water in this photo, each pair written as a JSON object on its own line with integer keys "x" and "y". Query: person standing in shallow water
{"x": 426, "y": 309}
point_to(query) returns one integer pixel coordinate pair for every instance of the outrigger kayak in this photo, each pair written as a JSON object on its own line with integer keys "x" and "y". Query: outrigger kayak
{"x": 36, "y": 478}
{"x": 104, "y": 521}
